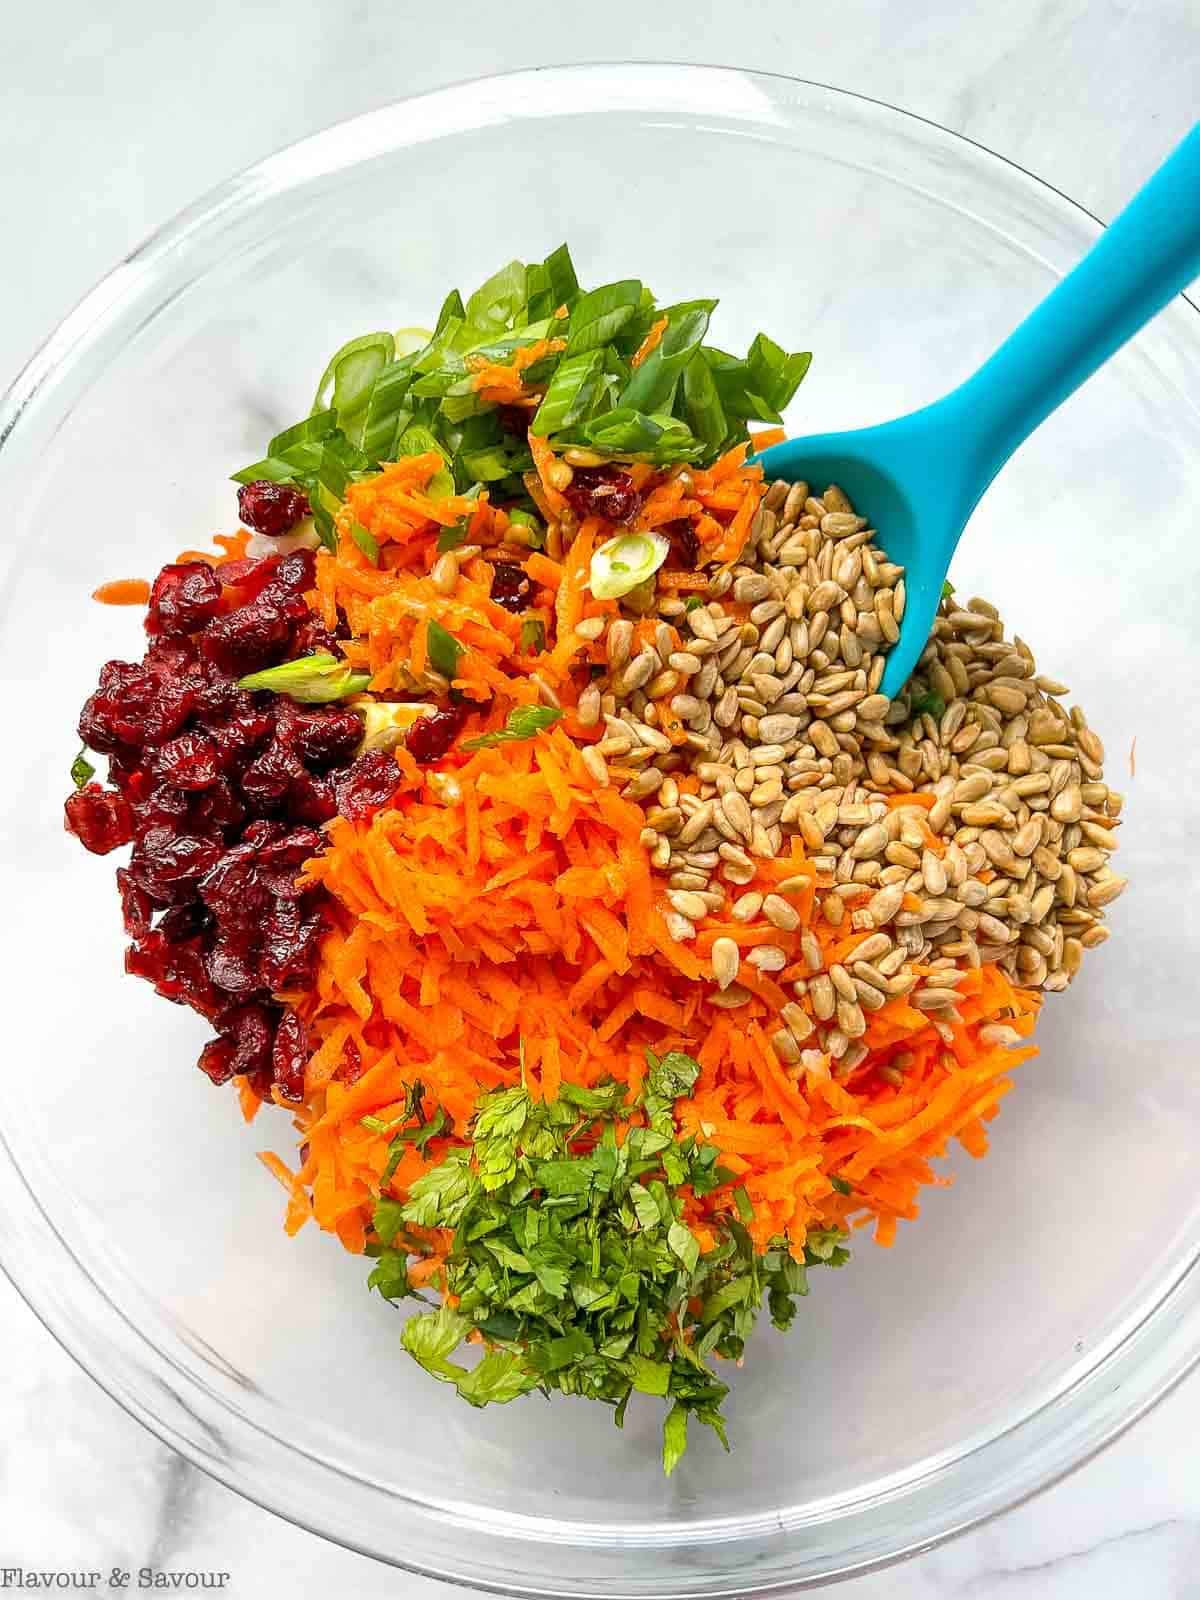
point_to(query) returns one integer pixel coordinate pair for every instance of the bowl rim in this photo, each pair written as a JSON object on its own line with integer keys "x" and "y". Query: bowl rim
{"x": 1142, "y": 1377}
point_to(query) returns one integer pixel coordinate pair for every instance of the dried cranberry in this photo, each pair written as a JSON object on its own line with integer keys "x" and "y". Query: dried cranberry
{"x": 321, "y": 737}
{"x": 216, "y": 1059}
{"x": 289, "y": 1055}
{"x": 370, "y": 782}
{"x": 431, "y": 736}
{"x": 246, "y": 577}
{"x": 177, "y": 924}
{"x": 288, "y": 953}
{"x": 252, "y": 1031}
{"x": 173, "y": 658}
{"x": 246, "y": 640}
{"x": 312, "y": 798}
{"x": 233, "y": 889}
{"x": 176, "y": 970}
{"x": 603, "y": 492}
{"x": 512, "y": 587}
{"x": 160, "y": 807}
{"x": 135, "y": 905}
{"x": 215, "y": 811}
{"x": 188, "y": 761}
{"x": 296, "y": 572}
{"x": 184, "y": 597}
{"x": 168, "y": 865}
{"x": 313, "y": 638}
{"x": 685, "y": 547}
{"x": 267, "y": 779}
{"x": 133, "y": 707}
{"x": 232, "y": 966}
{"x": 101, "y": 819}
{"x": 237, "y": 737}
{"x": 280, "y": 857}
{"x": 270, "y": 508}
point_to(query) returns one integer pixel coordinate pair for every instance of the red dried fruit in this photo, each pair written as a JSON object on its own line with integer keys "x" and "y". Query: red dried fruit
{"x": 210, "y": 783}
{"x": 185, "y": 596}
{"x": 216, "y": 1059}
{"x": 603, "y": 492}
{"x": 252, "y": 1031}
{"x": 188, "y": 761}
{"x": 136, "y": 909}
{"x": 176, "y": 971}
{"x": 321, "y": 737}
{"x": 100, "y": 819}
{"x": 431, "y": 736}
{"x": 271, "y": 508}
{"x": 289, "y": 1055}
{"x": 369, "y": 783}
{"x": 511, "y": 587}
{"x": 247, "y": 640}
{"x": 168, "y": 865}
{"x": 685, "y": 547}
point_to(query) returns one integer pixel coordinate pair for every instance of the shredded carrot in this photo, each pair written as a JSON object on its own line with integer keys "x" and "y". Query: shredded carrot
{"x": 123, "y": 592}
{"x": 650, "y": 343}
{"x": 526, "y": 911}
{"x": 505, "y": 901}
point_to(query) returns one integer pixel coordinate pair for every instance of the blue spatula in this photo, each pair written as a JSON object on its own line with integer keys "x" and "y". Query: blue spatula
{"x": 920, "y": 477}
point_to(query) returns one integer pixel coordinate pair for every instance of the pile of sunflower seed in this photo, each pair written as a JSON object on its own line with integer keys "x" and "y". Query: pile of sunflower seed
{"x": 787, "y": 733}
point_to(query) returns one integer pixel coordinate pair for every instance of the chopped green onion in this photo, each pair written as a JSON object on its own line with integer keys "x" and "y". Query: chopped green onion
{"x": 312, "y": 680}
{"x": 82, "y": 770}
{"x": 533, "y": 636}
{"x": 523, "y": 722}
{"x": 365, "y": 543}
{"x": 626, "y": 561}
{"x": 443, "y": 649}
{"x": 408, "y": 341}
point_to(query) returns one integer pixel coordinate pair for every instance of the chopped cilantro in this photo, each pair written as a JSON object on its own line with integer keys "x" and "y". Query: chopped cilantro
{"x": 573, "y": 1258}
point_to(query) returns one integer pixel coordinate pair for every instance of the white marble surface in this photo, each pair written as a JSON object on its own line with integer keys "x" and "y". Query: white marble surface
{"x": 113, "y": 117}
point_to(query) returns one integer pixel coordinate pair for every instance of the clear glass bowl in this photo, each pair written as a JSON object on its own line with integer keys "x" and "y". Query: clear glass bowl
{"x": 1040, "y": 1305}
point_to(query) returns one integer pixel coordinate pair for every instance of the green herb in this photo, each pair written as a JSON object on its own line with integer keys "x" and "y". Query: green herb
{"x": 419, "y": 1135}
{"x": 523, "y": 722}
{"x": 572, "y": 1258}
{"x": 82, "y": 770}
{"x": 443, "y": 649}
{"x": 365, "y": 542}
{"x": 385, "y": 395}
{"x": 841, "y": 1185}
{"x": 947, "y": 589}
{"x": 533, "y": 636}
{"x": 694, "y": 602}
{"x": 312, "y": 680}
{"x": 930, "y": 704}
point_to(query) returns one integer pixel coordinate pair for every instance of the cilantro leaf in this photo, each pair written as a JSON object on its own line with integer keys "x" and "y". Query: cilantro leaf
{"x": 431, "y": 1337}
{"x": 674, "y": 1437}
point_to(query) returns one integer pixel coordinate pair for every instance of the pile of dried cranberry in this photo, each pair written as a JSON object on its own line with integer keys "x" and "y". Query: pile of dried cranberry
{"x": 221, "y": 793}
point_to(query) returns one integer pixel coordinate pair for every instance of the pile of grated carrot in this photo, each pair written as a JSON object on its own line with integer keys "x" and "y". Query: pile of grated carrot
{"x": 501, "y": 915}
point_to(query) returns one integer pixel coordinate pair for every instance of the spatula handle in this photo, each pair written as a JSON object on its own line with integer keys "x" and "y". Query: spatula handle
{"x": 1145, "y": 257}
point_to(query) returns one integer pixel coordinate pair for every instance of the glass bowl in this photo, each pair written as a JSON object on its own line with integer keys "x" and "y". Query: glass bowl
{"x": 1041, "y": 1304}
